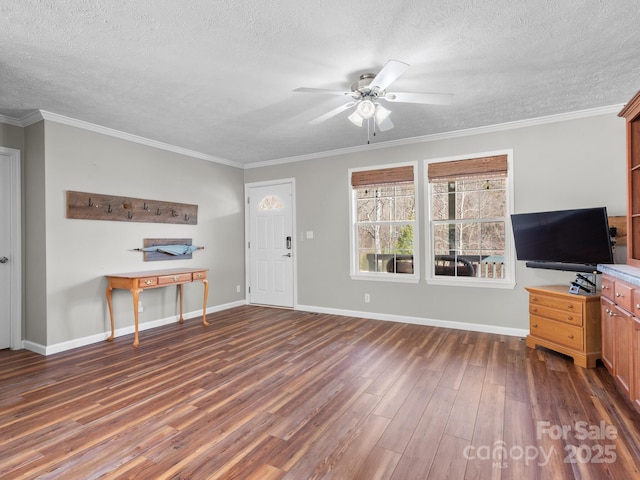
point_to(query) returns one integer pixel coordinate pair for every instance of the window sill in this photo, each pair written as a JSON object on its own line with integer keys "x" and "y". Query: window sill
{"x": 387, "y": 277}
{"x": 467, "y": 282}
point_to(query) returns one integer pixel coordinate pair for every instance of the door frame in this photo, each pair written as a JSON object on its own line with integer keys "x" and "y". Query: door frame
{"x": 15, "y": 247}
{"x": 247, "y": 232}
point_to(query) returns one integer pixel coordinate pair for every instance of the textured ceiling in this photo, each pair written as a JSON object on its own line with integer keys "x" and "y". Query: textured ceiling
{"x": 216, "y": 76}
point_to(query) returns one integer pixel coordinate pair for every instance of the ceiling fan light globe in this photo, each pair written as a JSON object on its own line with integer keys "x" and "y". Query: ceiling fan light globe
{"x": 366, "y": 109}
{"x": 356, "y": 119}
{"x": 381, "y": 113}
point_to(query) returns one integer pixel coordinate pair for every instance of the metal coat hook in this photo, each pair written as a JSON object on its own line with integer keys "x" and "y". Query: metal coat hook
{"x": 145, "y": 207}
{"x": 158, "y": 212}
{"x": 129, "y": 214}
{"x": 109, "y": 209}
{"x": 173, "y": 213}
{"x": 90, "y": 202}
{"x": 186, "y": 217}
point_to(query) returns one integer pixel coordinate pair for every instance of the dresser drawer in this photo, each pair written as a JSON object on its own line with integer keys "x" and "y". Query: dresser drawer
{"x": 574, "y": 318}
{"x": 565, "y": 305}
{"x": 557, "y": 332}
{"x": 147, "y": 282}
{"x": 177, "y": 278}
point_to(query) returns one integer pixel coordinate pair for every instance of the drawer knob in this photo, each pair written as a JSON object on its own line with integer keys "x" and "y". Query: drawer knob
{"x": 619, "y": 295}
{"x": 569, "y": 317}
{"x": 534, "y": 325}
{"x": 569, "y": 306}
{"x": 148, "y": 282}
{"x": 534, "y": 309}
{"x": 605, "y": 287}
{"x": 534, "y": 299}
{"x": 175, "y": 278}
{"x": 570, "y": 336}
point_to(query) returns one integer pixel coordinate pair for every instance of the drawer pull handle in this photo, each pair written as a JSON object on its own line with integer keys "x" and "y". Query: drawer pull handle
{"x": 570, "y": 336}
{"x": 148, "y": 282}
{"x": 175, "y": 278}
{"x": 534, "y": 325}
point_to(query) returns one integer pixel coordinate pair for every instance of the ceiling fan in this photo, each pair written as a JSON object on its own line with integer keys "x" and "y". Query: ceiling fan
{"x": 368, "y": 90}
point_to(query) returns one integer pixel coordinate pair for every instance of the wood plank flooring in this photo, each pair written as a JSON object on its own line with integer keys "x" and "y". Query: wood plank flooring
{"x": 276, "y": 394}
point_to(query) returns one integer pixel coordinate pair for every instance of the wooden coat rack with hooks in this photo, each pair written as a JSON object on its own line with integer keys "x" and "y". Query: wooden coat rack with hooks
{"x": 97, "y": 206}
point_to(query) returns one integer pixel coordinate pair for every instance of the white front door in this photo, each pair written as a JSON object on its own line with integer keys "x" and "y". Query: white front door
{"x": 270, "y": 248}
{"x": 10, "y": 268}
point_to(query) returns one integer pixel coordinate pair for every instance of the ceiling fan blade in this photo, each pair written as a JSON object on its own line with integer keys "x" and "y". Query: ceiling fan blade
{"x": 331, "y": 113}
{"x": 385, "y": 125}
{"x": 325, "y": 91}
{"x": 389, "y": 73}
{"x": 426, "y": 98}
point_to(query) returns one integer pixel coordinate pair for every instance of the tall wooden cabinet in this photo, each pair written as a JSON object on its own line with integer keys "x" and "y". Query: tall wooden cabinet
{"x": 620, "y": 301}
{"x": 631, "y": 112}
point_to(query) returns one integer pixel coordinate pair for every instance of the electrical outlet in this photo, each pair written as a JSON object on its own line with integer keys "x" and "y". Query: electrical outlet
{"x": 367, "y": 298}
{"x": 140, "y": 307}
{"x": 237, "y": 288}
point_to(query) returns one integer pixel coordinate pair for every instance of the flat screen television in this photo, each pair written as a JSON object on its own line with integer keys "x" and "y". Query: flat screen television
{"x": 571, "y": 240}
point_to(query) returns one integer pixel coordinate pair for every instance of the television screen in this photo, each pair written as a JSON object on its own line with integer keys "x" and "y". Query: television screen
{"x": 576, "y": 237}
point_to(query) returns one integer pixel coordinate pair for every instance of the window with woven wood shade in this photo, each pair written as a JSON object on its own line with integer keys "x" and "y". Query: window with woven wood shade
{"x": 494, "y": 166}
{"x": 382, "y": 176}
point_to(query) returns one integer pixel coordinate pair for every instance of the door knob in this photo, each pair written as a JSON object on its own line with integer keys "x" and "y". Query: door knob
{"x": 4, "y": 260}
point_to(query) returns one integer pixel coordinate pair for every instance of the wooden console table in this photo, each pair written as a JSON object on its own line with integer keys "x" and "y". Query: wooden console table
{"x": 136, "y": 282}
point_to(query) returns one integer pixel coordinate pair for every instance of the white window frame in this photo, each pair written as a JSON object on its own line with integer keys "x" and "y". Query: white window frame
{"x": 509, "y": 251}
{"x": 356, "y": 274}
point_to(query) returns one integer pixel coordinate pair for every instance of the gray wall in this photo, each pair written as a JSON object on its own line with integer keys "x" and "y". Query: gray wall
{"x": 67, "y": 259}
{"x": 570, "y": 164}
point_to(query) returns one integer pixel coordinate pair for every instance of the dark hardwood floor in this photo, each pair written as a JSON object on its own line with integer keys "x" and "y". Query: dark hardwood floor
{"x": 275, "y": 394}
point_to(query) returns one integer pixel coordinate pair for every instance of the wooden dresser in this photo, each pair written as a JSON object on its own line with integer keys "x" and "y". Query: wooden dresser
{"x": 565, "y": 322}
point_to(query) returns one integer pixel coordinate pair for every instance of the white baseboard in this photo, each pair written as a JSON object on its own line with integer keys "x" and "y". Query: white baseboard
{"x": 101, "y": 337}
{"x": 474, "y": 327}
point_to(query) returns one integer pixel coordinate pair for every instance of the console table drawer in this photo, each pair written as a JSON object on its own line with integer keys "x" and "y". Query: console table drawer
{"x": 558, "y": 303}
{"x": 199, "y": 275}
{"x": 558, "y": 332}
{"x": 147, "y": 282}
{"x": 574, "y": 318}
{"x": 176, "y": 278}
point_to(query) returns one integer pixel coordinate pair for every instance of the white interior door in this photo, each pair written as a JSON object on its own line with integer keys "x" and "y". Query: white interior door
{"x": 10, "y": 259}
{"x": 271, "y": 245}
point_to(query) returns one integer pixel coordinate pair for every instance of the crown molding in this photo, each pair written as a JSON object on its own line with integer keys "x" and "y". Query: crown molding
{"x": 562, "y": 117}
{"x": 11, "y": 121}
{"x": 39, "y": 115}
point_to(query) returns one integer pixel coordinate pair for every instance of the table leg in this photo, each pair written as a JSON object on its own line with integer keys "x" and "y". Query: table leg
{"x": 109, "y": 289}
{"x": 205, "y": 282}
{"x": 181, "y": 320}
{"x": 136, "y": 293}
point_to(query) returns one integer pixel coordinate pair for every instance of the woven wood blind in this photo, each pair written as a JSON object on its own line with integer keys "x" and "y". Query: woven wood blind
{"x": 382, "y": 176}
{"x": 495, "y": 166}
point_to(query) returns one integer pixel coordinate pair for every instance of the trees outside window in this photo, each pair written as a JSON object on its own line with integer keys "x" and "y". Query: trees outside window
{"x": 384, "y": 212}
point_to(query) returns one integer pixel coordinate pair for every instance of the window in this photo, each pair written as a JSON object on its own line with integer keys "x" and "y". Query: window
{"x": 383, "y": 214}
{"x": 470, "y": 239}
